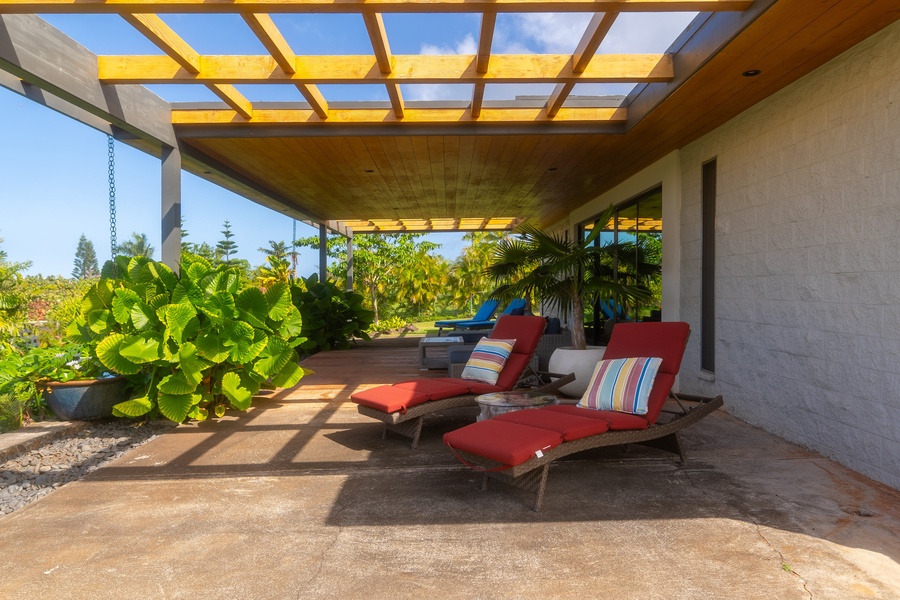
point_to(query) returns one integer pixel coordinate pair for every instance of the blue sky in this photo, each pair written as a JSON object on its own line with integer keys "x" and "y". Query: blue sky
{"x": 54, "y": 169}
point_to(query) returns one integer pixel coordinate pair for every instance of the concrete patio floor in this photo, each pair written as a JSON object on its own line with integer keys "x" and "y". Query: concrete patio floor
{"x": 301, "y": 498}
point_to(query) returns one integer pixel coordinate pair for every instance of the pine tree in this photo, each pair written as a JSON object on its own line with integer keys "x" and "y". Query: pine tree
{"x": 226, "y": 248}
{"x": 86, "y": 265}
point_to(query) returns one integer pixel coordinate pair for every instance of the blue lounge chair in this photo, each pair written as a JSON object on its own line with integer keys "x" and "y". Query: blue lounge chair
{"x": 516, "y": 307}
{"x": 484, "y": 313}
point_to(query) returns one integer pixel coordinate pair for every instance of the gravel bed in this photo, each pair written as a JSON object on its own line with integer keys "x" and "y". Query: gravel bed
{"x": 35, "y": 474}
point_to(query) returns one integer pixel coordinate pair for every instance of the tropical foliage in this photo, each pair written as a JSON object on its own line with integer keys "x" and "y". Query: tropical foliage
{"x": 192, "y": 344}
{"x": 12, "y": 299}
{"x": 567, "y": 275}
{"x": 397, "y": 274}
{"x": 470, "y": 283}
{"x": 278, "y": 268}
{"x": 137, "y": 245}
{"x": 331, "y": 317}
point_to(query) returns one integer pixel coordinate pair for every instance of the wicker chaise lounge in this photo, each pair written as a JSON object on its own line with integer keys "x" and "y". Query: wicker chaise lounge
{"x": 519, "y": 447}
{"x": 403, "y": 406}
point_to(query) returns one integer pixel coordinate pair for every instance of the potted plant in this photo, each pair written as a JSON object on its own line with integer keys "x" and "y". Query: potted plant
{"x": 70, "y": 379}
{"x": 566, "y": 276}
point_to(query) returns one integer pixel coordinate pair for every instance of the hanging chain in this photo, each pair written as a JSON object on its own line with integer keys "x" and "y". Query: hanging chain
{"x": 111, "y": 152}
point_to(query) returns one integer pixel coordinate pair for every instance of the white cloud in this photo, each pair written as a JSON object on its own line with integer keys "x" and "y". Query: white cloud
{"x": 554, "y": 33}
{"x": 645, "y": 33}
{"x": 468, "y": 45}
{"x": 435, "y": 91}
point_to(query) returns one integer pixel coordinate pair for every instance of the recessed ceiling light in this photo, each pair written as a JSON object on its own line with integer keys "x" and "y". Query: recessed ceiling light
{"x": 751, "y": 73}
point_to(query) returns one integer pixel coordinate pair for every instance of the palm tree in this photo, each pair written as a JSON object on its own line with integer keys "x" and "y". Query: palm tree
{"x": 138, "y": 245}
{"x": 565, "y": 275}
{"x": 469, "y": 284}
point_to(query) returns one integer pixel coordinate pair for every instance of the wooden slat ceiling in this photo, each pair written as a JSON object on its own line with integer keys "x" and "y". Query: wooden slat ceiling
{"x": 418, "y": 166}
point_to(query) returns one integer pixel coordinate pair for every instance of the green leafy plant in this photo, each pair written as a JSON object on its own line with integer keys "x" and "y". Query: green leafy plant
{"x": 564, "y": 274}
{"x": 23, "y": 376}
{"x": 388, "y": 325}
{"x": 331, "y": 317}
{"x": 190, "y": 344}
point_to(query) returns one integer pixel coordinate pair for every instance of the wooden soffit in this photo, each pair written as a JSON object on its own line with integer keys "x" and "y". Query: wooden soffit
{"x": 401, "y": 165}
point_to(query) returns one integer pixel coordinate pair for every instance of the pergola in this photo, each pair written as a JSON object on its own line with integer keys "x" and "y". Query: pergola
{"x": 422, "y": 165}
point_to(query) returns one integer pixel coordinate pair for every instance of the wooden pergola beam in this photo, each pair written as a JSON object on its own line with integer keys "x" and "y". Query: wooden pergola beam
{"x": 593, "y": 36}
{"x": 483, "y": 58}
{"x": 69, "y": 75}
{"x": 411, "y": 115}
{"x": 265, "y": 29}
{"x": 414, "y": 68}
{"x": 233, "y": 98}
{"x": 382, "y": 48}
{"x": 156, "y": 30}
{"x": 485, "y": 41}
{"x": 364, "y": 6}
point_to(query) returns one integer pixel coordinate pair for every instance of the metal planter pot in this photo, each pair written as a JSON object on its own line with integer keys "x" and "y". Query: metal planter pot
{"x": 85, "y": 400}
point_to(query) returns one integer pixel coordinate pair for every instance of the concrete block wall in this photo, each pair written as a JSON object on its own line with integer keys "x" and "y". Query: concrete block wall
{"x": 807, "y": 260}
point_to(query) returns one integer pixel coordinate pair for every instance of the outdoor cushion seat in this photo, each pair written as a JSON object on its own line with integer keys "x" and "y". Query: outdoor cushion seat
{"x": 388, "y": 399}
{"x": 515, "y": 308}
{"x": 473, "y": 387}
{"x": 434, "y": 389}
{"x": 571, "y": 427}
{"x": 506, "y": 443}
{"x": 496, "y": 449}
{"x": 403, "y": 406}
{"x": 484, "y": 313}
{"x": 617, "y": 421}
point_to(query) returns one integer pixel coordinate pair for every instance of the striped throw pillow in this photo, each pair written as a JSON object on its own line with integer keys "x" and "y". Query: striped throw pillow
{"x": 621, "y": 384}
{"x": 487, "y": 360}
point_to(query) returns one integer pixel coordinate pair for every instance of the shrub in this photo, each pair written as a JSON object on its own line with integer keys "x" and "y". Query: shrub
{"x": 389, "y": 324}
{"x": 193, "y": 343}
{"x": 331, "y": 317}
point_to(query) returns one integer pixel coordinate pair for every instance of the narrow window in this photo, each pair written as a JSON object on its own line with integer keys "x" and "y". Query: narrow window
{"x": 708, "y": 270}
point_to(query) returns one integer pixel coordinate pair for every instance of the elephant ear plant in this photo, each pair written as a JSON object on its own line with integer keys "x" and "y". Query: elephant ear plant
{"x": 194, "y": 343}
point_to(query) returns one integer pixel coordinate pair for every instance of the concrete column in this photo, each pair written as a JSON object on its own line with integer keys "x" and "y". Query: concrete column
{"x": 171, "y": 207}
{"x": 323, "y": 253}
{"x": 350, "y": 263}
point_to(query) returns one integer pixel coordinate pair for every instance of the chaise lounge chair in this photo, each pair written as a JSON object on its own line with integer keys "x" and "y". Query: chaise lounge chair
{"x": 516, "y": 307}
{"x": 519, "y": 447}
{"x": 403, "y": 406}
{"x": 484, "y": 313}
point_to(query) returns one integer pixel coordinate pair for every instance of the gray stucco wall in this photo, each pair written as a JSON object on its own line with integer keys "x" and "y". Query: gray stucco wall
{"x": 808, "y": 260}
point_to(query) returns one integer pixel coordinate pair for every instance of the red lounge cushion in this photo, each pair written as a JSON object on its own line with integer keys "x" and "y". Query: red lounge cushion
{"x": 507, "y": 443}
{"x": 526, "y": 330}
{"x": 571, "y": 427}
{"x": 617, "y": 421}
{"x": 473, "y": 387}
{"x": 432, "y": 388}
{"x": 512, "y": 370}
{"x": 388, "y": 398}
{"x": 658, "y": 395}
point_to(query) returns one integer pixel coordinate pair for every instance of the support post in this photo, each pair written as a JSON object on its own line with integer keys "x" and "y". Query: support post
{"x": 350, "y": 263}
{"x": 323, "y": 253}
{"x": 171, "y": 207}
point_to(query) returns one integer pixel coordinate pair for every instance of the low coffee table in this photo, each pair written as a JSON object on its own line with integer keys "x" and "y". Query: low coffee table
{"x": 441, "y": 361}
{"x": 498, "y": 403}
